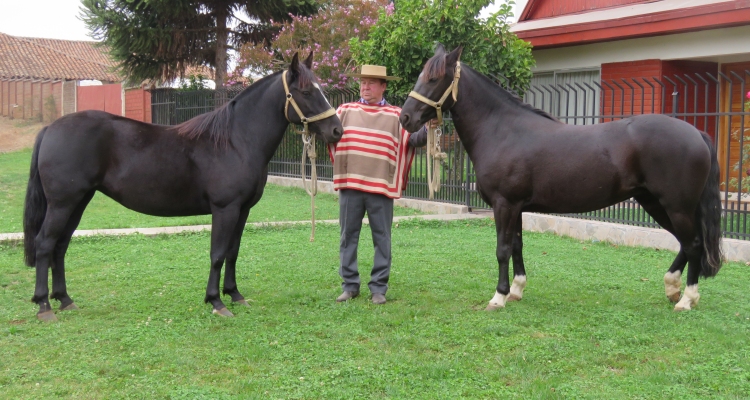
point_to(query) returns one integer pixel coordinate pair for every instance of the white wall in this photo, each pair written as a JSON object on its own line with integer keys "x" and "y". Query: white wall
{"x": 719, "y": 45}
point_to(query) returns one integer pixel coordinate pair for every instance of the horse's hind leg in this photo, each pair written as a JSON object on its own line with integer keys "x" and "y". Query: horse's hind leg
{"x": 59, "y": 289}
{"x": 230, "y": 280}
{"x": 52, "y": 229}
{"x": 691, "y": 243}
{"x": 519, "y": 272}
{"x": 672, "y": 278}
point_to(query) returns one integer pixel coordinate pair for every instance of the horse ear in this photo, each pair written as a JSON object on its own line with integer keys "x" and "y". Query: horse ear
{"x": 294, "y": 65}
{"x": 308, "y": 60}
{"x": 455, "y": 55}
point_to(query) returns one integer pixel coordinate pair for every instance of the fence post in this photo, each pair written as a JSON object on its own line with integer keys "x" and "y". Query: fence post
{"x": 467, "y": 181}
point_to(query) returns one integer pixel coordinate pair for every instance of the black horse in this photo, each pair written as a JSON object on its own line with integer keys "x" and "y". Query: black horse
{"x": 215, "y": 163}
{"x": 526, "y": 160}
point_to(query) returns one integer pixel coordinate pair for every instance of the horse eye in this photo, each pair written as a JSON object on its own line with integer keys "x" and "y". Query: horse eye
{"x": 306, "y": 92}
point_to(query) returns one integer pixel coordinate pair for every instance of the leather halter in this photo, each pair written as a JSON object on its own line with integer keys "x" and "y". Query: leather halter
{"x": 451, "y": 90}
{"x": 290, "y": 100}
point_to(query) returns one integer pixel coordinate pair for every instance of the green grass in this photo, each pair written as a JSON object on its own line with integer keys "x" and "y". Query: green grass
{"x": 594, "y": 323}
{"x": 278, "y": 204}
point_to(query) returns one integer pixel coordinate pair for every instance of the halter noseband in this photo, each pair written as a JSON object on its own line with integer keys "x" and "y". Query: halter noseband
{"x": 290, "y": 100}
{"x": 451, "y": 90}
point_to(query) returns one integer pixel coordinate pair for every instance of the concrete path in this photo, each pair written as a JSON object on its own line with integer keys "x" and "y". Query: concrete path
{"x": 12, "y": 237}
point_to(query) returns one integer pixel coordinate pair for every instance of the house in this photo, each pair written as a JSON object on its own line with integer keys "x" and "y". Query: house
{"x": 46, "y": 78}
{"x": 39, "y": 77}
{"x": 686, "y": 58}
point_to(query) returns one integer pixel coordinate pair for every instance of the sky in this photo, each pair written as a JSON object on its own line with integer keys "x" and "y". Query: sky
{"x": 58, "y": 19}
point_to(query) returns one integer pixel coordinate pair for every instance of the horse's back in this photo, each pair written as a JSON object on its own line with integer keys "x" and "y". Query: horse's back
{"x": 147, "y": 168}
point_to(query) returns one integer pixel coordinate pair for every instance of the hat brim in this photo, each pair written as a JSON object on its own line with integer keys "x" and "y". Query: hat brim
{"x": 387, "y": 78}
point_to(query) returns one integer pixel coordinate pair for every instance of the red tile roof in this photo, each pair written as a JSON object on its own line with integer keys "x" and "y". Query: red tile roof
{"x": 22, "y": 57}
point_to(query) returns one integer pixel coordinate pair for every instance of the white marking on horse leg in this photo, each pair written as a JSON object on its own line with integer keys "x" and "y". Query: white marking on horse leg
{"x": 497, "y": 302}
{"x": 672, "y": 285}
{"x": 689, "y": 299}
{"x": 516, "y": 289}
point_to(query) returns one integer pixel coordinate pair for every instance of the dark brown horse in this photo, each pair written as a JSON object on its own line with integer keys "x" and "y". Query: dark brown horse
{"x": 527, "y": 160}
{"x": 215, "y": 164}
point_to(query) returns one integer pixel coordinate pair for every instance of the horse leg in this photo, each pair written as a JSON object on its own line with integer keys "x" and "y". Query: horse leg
{"x": 506, "y": 217}
{"x": 223, "y": 226}
{"x": 59, "y": 289}
{"x": 46, "y": 241}
{"x": 692, "y": 248}
{"x": 672, "y": 279}
{"x": 519, "y": 272}
{"x": 230, "y": 281}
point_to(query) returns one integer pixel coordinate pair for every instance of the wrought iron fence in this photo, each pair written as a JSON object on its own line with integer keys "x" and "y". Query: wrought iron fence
{"x": 712, "y": 102}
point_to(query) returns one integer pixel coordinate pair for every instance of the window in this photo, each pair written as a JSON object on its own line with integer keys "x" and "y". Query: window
{"x": 571, "y": 95}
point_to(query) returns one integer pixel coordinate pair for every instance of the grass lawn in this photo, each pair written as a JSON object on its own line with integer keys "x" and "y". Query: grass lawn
{"x": 594, "y": 323}
{"x": 278, "y": 204}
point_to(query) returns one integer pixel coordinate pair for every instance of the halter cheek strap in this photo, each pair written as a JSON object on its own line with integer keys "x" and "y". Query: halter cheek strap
{"x": 451, "y": 90}
{"x": 308, "y": 148}
{"x": 290, "y": 100}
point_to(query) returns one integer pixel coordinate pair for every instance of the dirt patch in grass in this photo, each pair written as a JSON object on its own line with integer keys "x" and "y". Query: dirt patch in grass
{"x": 17, "y": 134}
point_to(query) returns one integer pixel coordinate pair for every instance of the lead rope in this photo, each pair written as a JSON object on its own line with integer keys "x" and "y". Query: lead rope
{"x": 435, "y": 155}
{"x": 435, "y": 159}
{"x": 308, "y": 151}
{"x": 308, "y": 148}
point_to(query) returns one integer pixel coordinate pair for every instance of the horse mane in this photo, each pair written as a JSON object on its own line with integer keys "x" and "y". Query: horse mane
{"x": 218, "y": 123}
{"x": 435, "y": 68}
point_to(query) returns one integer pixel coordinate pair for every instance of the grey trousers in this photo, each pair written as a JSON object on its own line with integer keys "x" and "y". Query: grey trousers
{"x": 353, "y": 204}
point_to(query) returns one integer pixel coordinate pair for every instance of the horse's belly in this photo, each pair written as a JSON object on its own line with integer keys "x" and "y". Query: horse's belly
{"x": 581, "y": 197}
{"x": 159, "y": 197}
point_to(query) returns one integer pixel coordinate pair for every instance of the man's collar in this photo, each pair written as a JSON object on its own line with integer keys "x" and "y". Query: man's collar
{"x": 382, "y": 102}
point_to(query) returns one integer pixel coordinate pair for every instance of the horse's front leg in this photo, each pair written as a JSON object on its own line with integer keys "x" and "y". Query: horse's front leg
{"x": 506, "y": 218}
{"x": 519, "y": 272}
{"x": 230, "y": 280}
{"x": 224, "y": 221}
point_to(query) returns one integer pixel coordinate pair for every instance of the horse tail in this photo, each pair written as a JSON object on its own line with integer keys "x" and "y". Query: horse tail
{"x": 36, "y": 205}
{"x": 709, "y": 216}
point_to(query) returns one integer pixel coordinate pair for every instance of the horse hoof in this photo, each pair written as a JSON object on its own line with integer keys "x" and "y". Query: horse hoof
{"x": 674, "y": 297}
{"x": 679, "y": 307}
{"x": 493, "y": 307}
{"x": 71, "y": 306}
{"x": 223, "y": 312}
{"x": 242, "y": 302}
{"x": 513, "y": 297}
{"x": 47, "y": 316}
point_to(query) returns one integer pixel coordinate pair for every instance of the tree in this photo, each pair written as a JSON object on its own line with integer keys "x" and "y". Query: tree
{"x": 327, "y": 33}
{"x": 159, "y": 39}
{"x": 404, "y": 40}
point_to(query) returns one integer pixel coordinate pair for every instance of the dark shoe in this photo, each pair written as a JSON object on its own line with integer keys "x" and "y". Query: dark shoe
{"x": 378, "y": 298}
{"x": 347, "y": 296}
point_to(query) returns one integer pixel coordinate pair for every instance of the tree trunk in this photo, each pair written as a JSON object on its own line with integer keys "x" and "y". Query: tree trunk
{"x": 221, "y": 48}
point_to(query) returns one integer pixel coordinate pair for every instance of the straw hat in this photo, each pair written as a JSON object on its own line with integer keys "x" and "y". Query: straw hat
{"x": 374, "y": 71}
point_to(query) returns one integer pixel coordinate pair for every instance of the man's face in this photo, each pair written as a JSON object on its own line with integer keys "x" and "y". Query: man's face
{"x": 371, "y": 89}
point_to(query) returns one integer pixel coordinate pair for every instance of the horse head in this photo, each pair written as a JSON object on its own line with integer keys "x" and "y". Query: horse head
{"x": 436, "y": 89}
{"x": 308, "y": 103}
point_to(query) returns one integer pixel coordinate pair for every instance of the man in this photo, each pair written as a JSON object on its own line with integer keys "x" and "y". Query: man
{"x": 370, "y": 169}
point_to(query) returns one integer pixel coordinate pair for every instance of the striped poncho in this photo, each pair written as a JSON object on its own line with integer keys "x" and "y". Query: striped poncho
{"x": 374, "y": 154}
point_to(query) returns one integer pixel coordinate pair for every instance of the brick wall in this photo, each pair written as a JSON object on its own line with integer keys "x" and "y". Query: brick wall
{"x": 69, "y": 97}
{"x": 138, "y": 104}
{"x": 30, "y": 99}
